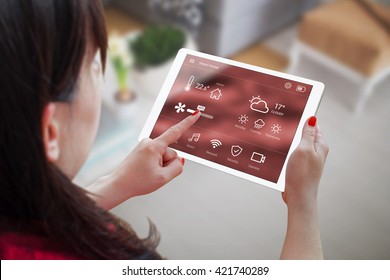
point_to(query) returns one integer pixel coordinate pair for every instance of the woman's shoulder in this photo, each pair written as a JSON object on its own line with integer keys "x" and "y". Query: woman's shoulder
{"x": 32, "y": 246}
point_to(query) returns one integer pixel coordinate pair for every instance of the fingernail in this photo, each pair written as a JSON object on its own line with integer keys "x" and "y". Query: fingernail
{"x": 195, "y": 113}
{"x": 312, "y": 121}
{"x": 183, "y": 161}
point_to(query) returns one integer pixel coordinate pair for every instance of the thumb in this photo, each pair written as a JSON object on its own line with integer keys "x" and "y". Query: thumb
{"x": 309, "y": 132}
{"x": 173, "y": 168}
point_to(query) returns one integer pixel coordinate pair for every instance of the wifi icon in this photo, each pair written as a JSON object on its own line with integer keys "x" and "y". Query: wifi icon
{"x": 215, "y": 143}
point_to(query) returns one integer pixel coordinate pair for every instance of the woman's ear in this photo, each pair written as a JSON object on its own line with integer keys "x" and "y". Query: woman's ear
{"x": 50, "y": 133}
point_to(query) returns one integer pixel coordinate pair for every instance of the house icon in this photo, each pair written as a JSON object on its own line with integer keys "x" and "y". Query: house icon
{"x": 216, "y": 94}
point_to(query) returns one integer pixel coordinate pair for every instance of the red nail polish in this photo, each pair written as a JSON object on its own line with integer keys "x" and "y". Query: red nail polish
{"x": 183, "y": 161}
{"x": 312, "y": 121}
{"x": 195, "y": 113}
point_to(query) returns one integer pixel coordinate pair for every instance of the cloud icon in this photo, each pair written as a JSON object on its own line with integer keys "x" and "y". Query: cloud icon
{"x": 259, "y": 105}
{"x": 259, "y": 123}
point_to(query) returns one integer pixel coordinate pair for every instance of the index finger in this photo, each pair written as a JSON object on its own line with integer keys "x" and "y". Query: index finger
{"x": 175, "y": 132}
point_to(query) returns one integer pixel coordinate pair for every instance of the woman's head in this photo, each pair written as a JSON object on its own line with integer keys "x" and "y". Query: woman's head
{"x": 51, "y": 57}
{"x": 51, "y": 72}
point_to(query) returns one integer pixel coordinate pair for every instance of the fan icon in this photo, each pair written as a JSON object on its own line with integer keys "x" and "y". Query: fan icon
{"x": 180, "y": 107}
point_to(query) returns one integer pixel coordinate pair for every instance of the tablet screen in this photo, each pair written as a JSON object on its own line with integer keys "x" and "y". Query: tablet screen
{"x": 248, "y": 118}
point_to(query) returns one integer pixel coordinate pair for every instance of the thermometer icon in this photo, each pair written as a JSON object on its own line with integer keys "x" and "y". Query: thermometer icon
{"x": 189, "y": 83}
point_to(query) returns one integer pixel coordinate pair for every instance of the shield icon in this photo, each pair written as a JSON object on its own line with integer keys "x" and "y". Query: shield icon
{"x": 236, "y": 150}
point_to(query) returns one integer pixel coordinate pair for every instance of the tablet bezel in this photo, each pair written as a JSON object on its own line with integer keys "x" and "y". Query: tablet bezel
{"x": 310, "y": 109}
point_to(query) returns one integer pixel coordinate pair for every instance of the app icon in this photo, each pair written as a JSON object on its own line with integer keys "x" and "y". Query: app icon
{"x": 243, "y": 119}
{"x": 236, "y": 150}
{"x": 216, "y": 94}
{"x": 301, "y": 88}
{"x": 195, "y": 137}
{"x": 259, "y": 124}
{"x": 204, "y": 115}
{"x": 192, "y": 61}
{"x": 201, "y": 108}
{"x": 288, "y": 85}
{"x": 257, "y": 157}
{"x": 189, "y": 84}
{"x": 180, "y": 107}
{"x": 215, "y": 143}
{"x": 259, "y": 105}
{"x": 276, "y": 128}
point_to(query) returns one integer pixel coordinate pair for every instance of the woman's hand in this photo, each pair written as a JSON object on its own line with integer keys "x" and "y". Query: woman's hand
{"x": 150, "y": 165}
{"x": 304, "y": 170}
{"x": 305, "y": 166}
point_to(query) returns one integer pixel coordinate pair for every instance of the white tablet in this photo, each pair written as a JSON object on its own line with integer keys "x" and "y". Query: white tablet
{"x": 251, "y": 117}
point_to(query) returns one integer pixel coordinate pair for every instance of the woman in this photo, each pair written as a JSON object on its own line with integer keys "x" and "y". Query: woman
{"x": 52, "y": 56}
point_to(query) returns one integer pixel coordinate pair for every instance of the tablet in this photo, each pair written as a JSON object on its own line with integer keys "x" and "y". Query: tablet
{"x": 251, "y": 117}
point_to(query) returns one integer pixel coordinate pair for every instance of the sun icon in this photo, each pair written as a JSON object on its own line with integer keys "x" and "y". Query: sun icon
{"x": 255, "y": 99}
{"x": 276, "y": 128}
{"x": 243, "y": 119}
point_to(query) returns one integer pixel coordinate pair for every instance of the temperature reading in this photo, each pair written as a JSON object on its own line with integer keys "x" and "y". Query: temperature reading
{"x": 279, "y": 106}
{"x": 201, "y": 87}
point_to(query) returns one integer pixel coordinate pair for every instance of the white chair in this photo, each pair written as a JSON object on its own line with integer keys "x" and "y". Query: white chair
{"x": 348, "y": 37}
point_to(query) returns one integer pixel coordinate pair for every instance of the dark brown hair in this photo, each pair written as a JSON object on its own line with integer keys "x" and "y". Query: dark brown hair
{"x": 42, "y": 47}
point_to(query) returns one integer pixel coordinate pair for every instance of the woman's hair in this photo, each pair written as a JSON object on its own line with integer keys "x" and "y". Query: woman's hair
{"x": 43, "y": 44}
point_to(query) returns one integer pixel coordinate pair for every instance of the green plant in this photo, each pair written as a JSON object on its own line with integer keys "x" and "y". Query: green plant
{"x": 156, "y": 44}
{"x": 121, "y": 60}
{"x": 122, "y": 72}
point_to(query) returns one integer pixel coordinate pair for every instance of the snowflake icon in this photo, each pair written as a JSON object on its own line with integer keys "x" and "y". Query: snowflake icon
{"x": 180, "y": 107}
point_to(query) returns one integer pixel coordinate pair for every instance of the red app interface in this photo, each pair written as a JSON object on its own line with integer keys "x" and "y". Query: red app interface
{"x": 248, "y": 119}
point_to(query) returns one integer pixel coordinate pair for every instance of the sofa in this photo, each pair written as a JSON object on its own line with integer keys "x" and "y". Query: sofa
{"x": 231, "y": 25}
